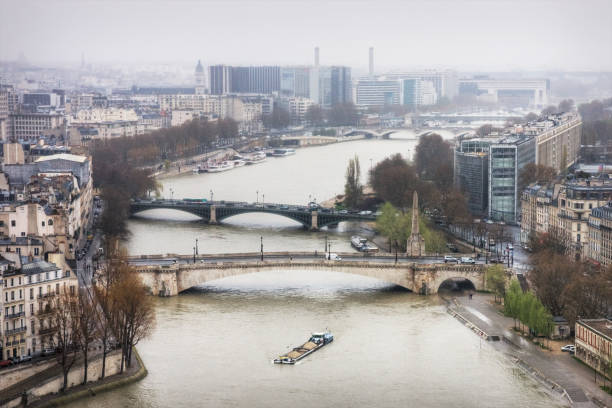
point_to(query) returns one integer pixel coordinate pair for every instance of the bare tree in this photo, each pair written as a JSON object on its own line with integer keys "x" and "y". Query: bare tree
{"x": 64, "y": 322}
{"x": 134, "y": 316}
{"x": 87, "y": 326}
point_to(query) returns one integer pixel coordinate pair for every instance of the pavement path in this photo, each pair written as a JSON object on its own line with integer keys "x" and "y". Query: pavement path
{"x": 561, "y": 368}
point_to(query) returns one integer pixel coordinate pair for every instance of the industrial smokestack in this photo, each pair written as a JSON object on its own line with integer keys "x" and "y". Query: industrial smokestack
{"x": 316, "y": 56}
{"x": 371, "y": 61}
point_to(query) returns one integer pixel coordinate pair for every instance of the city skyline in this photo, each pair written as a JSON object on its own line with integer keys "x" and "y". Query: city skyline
{"x": 472, "y": 35}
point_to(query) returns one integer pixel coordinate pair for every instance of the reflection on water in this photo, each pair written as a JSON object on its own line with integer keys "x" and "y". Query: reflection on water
{"x": 214, "y": 346}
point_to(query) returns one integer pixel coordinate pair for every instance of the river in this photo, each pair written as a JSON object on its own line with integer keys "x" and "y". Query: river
{"x": 214, "y": 345}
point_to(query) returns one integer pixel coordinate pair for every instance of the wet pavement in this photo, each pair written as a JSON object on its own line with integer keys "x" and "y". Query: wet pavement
{"x": 562, "y": 369}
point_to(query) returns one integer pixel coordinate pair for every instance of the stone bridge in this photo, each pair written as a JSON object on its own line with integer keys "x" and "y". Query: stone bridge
{"x": 216, "y": 211}
{"x": 425, "y": 279}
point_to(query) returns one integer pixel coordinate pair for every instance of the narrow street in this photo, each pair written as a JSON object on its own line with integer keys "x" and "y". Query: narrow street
{"x": 561, "y": 368}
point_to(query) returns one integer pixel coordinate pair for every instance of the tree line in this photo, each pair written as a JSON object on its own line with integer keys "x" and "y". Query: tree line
{"x": 430, "y": 174}
{"x": 528, "y": 310}
{"x": 568, "y": 287}
{"x": 118, "y": 313}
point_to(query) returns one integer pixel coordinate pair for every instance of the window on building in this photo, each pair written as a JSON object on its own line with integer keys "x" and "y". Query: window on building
{"x": 18, "y": 250}
{"x": 12, "y": 282}
{"x": 43, "y": 223}
{"x": 32, "y": 309}
{"x": 50, "y": 221}
{"x": 12, "y": 295}
{"x": 35, "y": 251}
{"x": 13, "y": 224}
{"x": 31, "y": 293}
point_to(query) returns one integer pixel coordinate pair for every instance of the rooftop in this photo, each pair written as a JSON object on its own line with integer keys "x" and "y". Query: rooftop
{"x": 603, "y": 326}
{"x": 38, "y": 267}
{"x": 63, "y": 156}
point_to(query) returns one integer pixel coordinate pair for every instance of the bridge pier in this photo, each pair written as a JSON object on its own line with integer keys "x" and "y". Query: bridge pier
{"x": 314, "y": 223}
{"x": 213, "y": 215}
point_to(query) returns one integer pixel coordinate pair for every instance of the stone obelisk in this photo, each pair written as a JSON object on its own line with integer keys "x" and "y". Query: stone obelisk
{"x": 416, "y": 243}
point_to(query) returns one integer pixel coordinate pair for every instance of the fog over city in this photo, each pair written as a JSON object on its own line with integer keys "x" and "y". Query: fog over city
{"x": 476, "y": 35}
{"x": 197, "y": 196}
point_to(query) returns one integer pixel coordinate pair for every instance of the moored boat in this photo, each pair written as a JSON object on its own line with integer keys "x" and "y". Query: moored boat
{"x": 283, "y": 152}
{"x": 223, "y": 166}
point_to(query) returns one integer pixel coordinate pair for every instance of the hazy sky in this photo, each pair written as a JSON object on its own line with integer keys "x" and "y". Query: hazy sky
{"x": 465, "y": 34}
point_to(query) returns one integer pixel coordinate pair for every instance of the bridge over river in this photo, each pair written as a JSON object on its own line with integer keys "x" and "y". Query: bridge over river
{"x": 215, "y": 211}
{"x": 168, "y": 275}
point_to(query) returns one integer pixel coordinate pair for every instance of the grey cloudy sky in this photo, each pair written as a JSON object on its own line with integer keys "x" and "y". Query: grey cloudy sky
{"x": 465, "y": 34}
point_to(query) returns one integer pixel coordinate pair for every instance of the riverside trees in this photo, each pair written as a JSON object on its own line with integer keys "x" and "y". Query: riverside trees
{"x": 353, "y": 188}
{"x": 396, "y": 226}
{"x": 527, "y": 309}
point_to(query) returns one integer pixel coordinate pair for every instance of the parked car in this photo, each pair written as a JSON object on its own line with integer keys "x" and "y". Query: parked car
{"x": 48, "y": 352}
{"x": 448, "y": 258}
{"x": 467, "y": 260}
{"x": 452, "y": 247}
{"x": 5, "y": 363}
{"x": 333, "y": 257}
{"x": 365, "y": 212}
{"x": 343, "y": 212}
{"x": 24, "y": 359}
{"x": 569, "y": 348}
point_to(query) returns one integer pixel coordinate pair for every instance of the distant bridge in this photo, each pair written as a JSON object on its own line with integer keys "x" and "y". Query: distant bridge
{"x": 169, "y": 277}
{"x": 214, "y": 212}
{"x": 371, "y": 133}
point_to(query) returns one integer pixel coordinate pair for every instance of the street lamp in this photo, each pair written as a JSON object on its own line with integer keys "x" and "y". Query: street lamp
{"x": 261, "y": 240}
{"x": 263, "y": 198}
{"x": 257, "y": 192}
{"x": 172, "y": 194}
{"x": 194, "y": 251}
{"x": 196, "y": 247}
{"x": 211, "y": 196}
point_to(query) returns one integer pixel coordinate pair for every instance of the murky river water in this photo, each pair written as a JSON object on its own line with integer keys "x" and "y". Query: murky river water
{"x": 214, "y": 345}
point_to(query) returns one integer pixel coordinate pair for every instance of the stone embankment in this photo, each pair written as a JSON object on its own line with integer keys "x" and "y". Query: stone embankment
{"x": 42, "y": 389}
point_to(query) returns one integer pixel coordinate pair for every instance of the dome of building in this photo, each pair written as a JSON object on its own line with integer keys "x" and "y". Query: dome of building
{"x": 199, "y": 67}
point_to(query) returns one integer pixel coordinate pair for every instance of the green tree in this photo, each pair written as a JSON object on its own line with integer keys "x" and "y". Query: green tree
{"x": 389, "y": 224}
{"x": 352, "y": 187}
{"x": 496, "y": 280}
{"x": 512, "y": 300}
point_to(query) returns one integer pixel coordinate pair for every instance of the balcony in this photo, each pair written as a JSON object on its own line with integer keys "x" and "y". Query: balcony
{"x": 47, "y": 330}
{"x": 15, "y": 331}
{"x": 14, "y": 315}
{"x": 46, "y": 295}
{"x": 44, "y": 312}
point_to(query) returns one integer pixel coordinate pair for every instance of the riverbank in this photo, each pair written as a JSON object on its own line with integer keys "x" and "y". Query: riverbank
{"x": 43, "y": 388}
{"x": 557, "y": 371}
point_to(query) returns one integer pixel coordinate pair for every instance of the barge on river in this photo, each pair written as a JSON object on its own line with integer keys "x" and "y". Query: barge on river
{"x": 316, "y": 341}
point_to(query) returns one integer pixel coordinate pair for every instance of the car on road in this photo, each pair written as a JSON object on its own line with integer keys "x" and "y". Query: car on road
{"x": 333, "y": 257}
{"x": 24, "y": 359}
{"x": 343, "y": 212}
{"x": 452, "y": 247}
{"x": 365, "y": 212}
{"x": 48, "y": 352}
{"x": 448, "y": 258}
{"x": 6, "y": 363}
{"x": 569, "y": 348}
{"x": 467, "y": 260}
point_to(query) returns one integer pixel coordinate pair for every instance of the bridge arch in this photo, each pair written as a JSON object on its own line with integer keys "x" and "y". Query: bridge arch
{"x": 303, "y": 219}
{"x": 457, "y": 284}
{"x": 197, "y": 213}
{"x": 187, "y": 279}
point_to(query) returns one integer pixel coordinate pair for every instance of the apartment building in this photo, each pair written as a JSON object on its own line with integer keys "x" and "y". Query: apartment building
{"x": 25, "y": 295}
{"x": 594, "y": 343}
{"x": 565, "y": 208}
